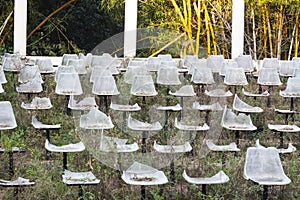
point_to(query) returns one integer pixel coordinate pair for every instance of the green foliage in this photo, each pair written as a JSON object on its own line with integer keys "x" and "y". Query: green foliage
{"x": 276, "y": 2}
{"x": 82, "y": 25}
{"x": 156, "y": 194}
{"x": 115, "y": 7}
{"x": 47, "y": 174}
{"x": 6, "y": 7}
{"x": 89, "y": 26}
{"x": 79, "y": 27}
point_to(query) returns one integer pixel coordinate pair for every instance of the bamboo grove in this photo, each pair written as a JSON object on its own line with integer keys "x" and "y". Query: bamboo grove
{"x": 271, "y": 26}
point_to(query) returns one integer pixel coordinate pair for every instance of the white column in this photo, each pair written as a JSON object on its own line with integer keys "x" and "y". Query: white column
{"x": 130, "y": 28}
{"x": 20, "y": 26}
{"x": 237, "y": 35}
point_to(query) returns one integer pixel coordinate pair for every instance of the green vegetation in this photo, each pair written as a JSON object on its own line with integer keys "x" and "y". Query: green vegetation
{"x": 78, "y": 27}
{"x": 271, "y": 26}
{"x": 47, "y": 174}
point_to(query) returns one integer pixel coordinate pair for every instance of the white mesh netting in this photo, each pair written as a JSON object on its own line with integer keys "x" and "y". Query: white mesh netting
{"x": 190, "y": 60}
{"x": 177, "y": 107}
{"x": 78, "y": 65}
{"x": 143, "y": 86}
{"x": 284, "y": 128}
{"x": 168, "y": 76}
{"x": 67, "y": 57}
{"x": 182, "y": 148}
{"x": 68, "y": 84}
{"x": 227, "y": 64}
{"x": 28, "y": 73}
{"x": 213, "y": 107}
{"x": 153, "y": 64}
{"x": 296, "y": 72}
{"x": 287, "y": 67}
{"x": 140, "y": 174}
{"x": 95, "y": 119}
{"x": 181, "y": 126}
{"x": 105, "y": 85}
{"x": 218, "y": 93}
{"x": 201, "y": 63}
{"x": 64, "y": 69}
{"x": 263, "y": 166}
{"x": 38, "y": 103}
{"x": 1, "y": 89}
{"x": 45, "y": 66}
{"x": 241, "y": 106}
{"x": 77, "y": 147}
{"x": 98, "y": 71}
{"x": 202, "y": 76}
{"x": 245, "y": 62}
{"x": 292, "y": 88}
{"x": 132, "y": 72}
{"x": 268, "y": 76}
{"x": 114, "y": 144}
{"x": 218, "y": 178}
{"x": 235, "y": 76}
{"x": 39, "y": 125}
{"x": 79, "y": 178}
{"x": 137, "y": 125}
{"x": 2, "y": 76}
{"x": 214, "y": 62}
{"x": 184, "y": 91}
{"x": 289, "y": 149}
{"x": 33, "y": 86}
{"x": 12, "y": 63}
{"x": 249, "y": 94}
{"x": 270, "y": 63}
{"x": 165, "y": 57}
{"x": 232, "y": 121}
{"x": 7, "y": 117}
{"x": 121, "y": 107}
{"x": 81, "y": 104}
{"x": 230, "y": 147}
{"x": 18, "y": 182}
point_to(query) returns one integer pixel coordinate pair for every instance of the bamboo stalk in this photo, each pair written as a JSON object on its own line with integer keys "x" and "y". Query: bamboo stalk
{"x": 49, "y": 31}
{"x": 253, "y": 33}
{"x": 207, "y": 29}
{"x": 189, "y": 8}
{"x": 265, "y": 37}
{"x": 269, "y": 32}
{"x": 297, "y": 34}
{"x": 178, "y": 11}
{"x": 167, "y": 45}
{"x": 198, "y": 12}
{"x": 189, "y": 16}
{"x": 213, "y": 34}
{"x": 248, "y": 39}
{"x": 64, "y": 35}
{"x": 292, "y": 42}
{"x": 279, "y": 37}
{"x": 6, "y": 35}
{"x": 222, "y": 28}
{"x": 48, "y": 17}
{"x": 211, "y": 29}
{"x": 185, "y": 12}
{"x": 183, "y": 21}
{"x": 5, "y": 23}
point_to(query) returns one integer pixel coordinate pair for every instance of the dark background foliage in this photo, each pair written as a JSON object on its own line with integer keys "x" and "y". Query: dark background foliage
{"x": 79, "y": 27}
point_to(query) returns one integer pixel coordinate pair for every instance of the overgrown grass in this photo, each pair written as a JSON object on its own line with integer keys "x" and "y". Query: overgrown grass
{"x": 47, "y": 174}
